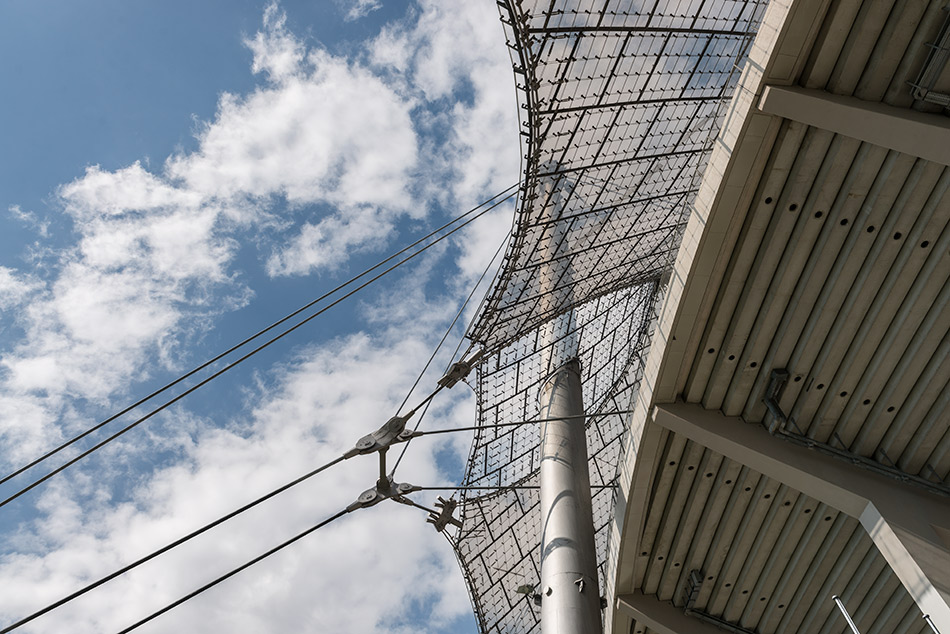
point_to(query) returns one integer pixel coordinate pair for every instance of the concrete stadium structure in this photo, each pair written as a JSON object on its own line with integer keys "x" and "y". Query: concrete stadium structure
{"x": 790, "y": 440}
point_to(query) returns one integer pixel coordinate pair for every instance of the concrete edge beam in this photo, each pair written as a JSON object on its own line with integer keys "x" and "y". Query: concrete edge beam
{"x": 661, "y": 616}
{"x": 901, "y": 129}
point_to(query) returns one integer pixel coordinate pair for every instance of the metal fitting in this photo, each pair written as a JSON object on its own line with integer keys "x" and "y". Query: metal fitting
{"x": 392, "y": 432}
{"x": 459, "y": 370}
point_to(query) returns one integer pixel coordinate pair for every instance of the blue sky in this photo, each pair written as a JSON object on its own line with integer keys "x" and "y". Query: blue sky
{"x": 176, "y": 175}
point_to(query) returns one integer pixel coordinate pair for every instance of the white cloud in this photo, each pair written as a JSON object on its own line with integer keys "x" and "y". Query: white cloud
{"x": 329, "y": 242}
{"x": 455, "y": 50}
{"x": 14, "y": 288}
{"x": 351, "y": 149}
{"x": 276, "y": 51}
{"x": 332, "y": 137}
{"x": 383, "y": 559}
{"x": 29, "y": 218}
{"x": 155, "y": 249}
{"x": 100, "y": 194}
{"x": 336, "y": 134}
{"x": 356, "y": 9}
{"x": 148, "y": 254}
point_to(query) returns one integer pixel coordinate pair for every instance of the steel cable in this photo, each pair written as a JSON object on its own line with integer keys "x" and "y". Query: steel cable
{"x": 166, "y": 548}
{"x": 233, "y": 572}
{"x": 468, "y": 299}
{"x": 507, "y": 192}
{"x": 240, "y": 360}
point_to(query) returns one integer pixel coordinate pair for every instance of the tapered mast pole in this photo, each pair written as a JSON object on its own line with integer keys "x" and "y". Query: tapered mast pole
{"x": 570, "y": 597}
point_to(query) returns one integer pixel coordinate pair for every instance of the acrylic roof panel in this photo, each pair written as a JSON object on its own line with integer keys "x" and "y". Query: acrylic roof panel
{"x": 620, "y": 104}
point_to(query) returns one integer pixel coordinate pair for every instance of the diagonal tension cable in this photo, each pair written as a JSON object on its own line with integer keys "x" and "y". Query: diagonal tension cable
{"x": 458, "y": 315}
{"x": 142, "y": 560}
{"x": 240, "y": 360}
{"x": 499, "y": 487}
{"x": 517, "y": 423}
{"x": 166, "y": 548}
{"x": 233, "y": 572}
{"x": 369, "y": 498}
{"x": 52, "y": 452}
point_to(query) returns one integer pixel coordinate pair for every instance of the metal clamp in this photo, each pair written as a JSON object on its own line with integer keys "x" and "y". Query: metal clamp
{"x": 392, "y": 432}
{"x": 384, "y": 490}
{"x": 444, "y": 517}
{"x": 459, "y": 370}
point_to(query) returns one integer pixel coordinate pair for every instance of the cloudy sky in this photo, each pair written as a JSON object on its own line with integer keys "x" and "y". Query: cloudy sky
{"x": 176, "y": 175}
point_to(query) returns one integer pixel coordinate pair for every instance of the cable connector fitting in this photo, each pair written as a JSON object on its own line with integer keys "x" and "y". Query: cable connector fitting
{"x": 444, "y": 517}
{"x": 392, "y": 432}
{"x": 382, "y": 491}
{"x": 459, "y": 370}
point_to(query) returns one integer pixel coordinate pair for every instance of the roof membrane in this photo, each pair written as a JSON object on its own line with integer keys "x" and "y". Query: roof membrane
{"x": 621, "y": 102}
{"x": 499, "y": 544}
{"x": 620, "y": 105}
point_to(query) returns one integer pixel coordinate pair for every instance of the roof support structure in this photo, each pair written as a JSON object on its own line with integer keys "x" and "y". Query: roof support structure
{"x": 901, "y": 129}
{"x": 570, "y": 596}
{"x": 661, "y": 616}
{"x": 909, "y": 526}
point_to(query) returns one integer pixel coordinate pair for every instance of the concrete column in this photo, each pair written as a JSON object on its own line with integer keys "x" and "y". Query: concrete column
{"x": 570, "y": 597}
{"x": 910, "y": 526}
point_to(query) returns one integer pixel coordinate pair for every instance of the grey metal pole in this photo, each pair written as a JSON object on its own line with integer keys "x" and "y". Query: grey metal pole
{"x": 844, "y": 611}
{"x": 570, "y": 598}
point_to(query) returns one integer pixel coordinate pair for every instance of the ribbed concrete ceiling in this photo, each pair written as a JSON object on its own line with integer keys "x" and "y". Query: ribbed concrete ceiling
{"x": 769, "y": 558}
{"x": 836, "y": 269}
{"x": 840, "y": 272}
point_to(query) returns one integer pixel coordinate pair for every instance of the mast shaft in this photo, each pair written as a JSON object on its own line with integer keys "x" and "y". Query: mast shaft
{"x": 570, "y": 598}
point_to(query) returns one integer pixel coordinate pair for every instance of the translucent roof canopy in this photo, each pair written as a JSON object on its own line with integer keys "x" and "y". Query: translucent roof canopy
{"x": 499, "y": 544}
{"x": 620, "y": 104}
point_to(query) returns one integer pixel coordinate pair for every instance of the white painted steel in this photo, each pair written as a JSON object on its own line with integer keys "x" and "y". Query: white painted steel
{"x": 844, "y": 611}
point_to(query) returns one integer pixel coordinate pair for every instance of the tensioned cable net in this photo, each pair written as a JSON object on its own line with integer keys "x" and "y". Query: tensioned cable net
{"x": 621, "y": 104}
{"x": 499, "y": 544}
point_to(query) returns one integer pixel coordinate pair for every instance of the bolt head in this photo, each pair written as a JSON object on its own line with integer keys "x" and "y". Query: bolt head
{"x": 365, "y": 442}
{"x": 367, "y": 496}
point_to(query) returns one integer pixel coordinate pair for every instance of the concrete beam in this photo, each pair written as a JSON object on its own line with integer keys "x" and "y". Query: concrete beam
{"x": 906, "y": 524}
{"x": 661, "y": 616}
{"x": 901, "y": 129}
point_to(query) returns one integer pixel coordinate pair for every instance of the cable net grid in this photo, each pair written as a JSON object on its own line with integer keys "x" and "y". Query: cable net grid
{"x": 621, "y": 102}
{"x": 499, "y": 545}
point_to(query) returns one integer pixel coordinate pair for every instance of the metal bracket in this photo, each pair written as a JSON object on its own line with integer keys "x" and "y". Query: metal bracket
{"x": 384, "y": 490}
{"x": 718, "y": 622}
{"x": 777, "y": 380}
{"x": 460, "y": 370}
{"x": 922, "y": 89}
{"x": 444, "y": 517}
{"x": 691, "y": 591}
{"x": 394, "y": 431}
